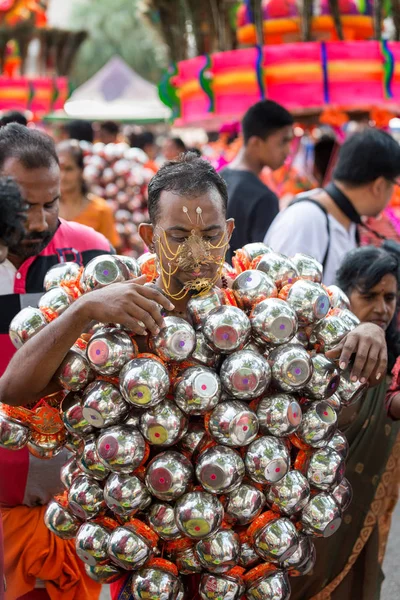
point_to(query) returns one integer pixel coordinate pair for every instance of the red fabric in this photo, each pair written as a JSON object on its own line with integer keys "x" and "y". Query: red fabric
{"x": 39, "y": 594}
{"x": 14, "y": 467}
{"x": 7, "y": 351}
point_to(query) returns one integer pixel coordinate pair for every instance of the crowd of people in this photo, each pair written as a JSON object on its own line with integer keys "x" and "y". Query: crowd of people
{"x": 49, "y": 215}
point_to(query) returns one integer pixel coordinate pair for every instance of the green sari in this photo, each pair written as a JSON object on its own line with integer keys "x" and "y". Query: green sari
{"x": 349, "y": 563}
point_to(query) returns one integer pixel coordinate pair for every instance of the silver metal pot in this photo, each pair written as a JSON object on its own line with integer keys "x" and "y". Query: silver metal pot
{"x": 61, "y": 521}
{"x": 226, "y": 329}
{"x": 72, "y": 416}
{"x": 276, "y": 541}
{"x": 220, "y": 552}
{"x": 27, "y": 323}
{"x": 161, "y": 518}
{"x": 91, "y": 543}
{"x": 267, "y": 460}
{"x": 245, "y": 504}
{"x": 309, "y": 301}
{"x": 109, "y": 350}
{"x": 307, "y": 267}
{"x": 13, "y": 436}
{"x": 74, "y": 373}
{"x": 61, "y": 273}
{"x": 325, "y": 379}
{"x": 279, "y": 268}
{"x": 199, "y": 307}
{"x": 55, "y": 301}
{"x": 85, "y": 498}
{"x": 198, "y": 515}
{"x": 318, "y": 425}
{"x": 144, "y": 382}
{"x": 103, "y": 405}
{"x": 197, "y": 390}
{"x": 220, "y": 470}
{"x": 291, "y": 367}
{"x": 245, "y": 375}
{"x": 203, "y": 353}
{"x": 251, "y": 287}
{"x": 127, "y": 549}
{"x": 289, "y": 495}
{"x": 89, "y": 461}
{"x": 233, "y": 424}
{"x": 273, "y": 321}
{"x": 279, "y": 415}
{"x": 322, "y": 516}
{"x": 101, "y": 271}
{"x": 125, "y": 494}
{"x": 176, "y": 340}
{"x": 155, "y": 583}
{"x": 164, "y": 424}
{"x": 168, "y": 475}
{"x": 325, "y": 469}
{"x": 121, "y": 449}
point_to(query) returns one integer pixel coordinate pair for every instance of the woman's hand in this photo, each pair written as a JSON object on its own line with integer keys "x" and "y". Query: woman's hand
{"x": 132, "y": 304}
{"x": 368, "y": 343}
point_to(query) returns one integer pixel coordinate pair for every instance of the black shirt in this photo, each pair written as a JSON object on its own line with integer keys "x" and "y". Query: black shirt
{"x": 253, "y": 206}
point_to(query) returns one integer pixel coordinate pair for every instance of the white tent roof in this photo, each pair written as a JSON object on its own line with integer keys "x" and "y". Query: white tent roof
{"x": 117, "y": 92}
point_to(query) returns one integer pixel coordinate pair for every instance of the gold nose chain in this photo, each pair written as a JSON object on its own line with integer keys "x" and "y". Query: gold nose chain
{"x": 190, "y": 256}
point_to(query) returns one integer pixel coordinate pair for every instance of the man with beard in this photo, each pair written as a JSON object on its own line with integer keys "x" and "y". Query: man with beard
{"x": 27, "y": 483}
{"x": 190, "y": 234}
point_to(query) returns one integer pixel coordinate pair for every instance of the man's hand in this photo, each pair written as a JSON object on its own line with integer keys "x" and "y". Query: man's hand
{"x": 130, "y": 303}
{"x": 368, "y": 343}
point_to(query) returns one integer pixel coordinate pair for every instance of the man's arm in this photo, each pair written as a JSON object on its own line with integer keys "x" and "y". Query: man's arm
{"x": 31, "y": 370}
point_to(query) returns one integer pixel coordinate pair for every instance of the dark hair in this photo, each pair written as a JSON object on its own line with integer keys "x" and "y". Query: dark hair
{"x": 188, "y": 176}
{"x": 264, "y": 118}
{"x": 110, "y": 127}
{"x": 367, "y": 155}
{"x": 73, "y": 148}
{"x": 323, "y": 151}
{"x": 14, "y": 116}
{"x": 179, "y": 144}
{"x": 362, "y": 269}
{"x": 34, "y": 149}
{"x": 195, "y": 151}
{"x": 79, "y": 130}
{"x": 12, "y": 215}
{"x": 141, "y": 140}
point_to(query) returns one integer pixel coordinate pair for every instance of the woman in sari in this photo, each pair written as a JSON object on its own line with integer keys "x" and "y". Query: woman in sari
{"x": 76, "y": 203}
{"x": 349, "y": 564}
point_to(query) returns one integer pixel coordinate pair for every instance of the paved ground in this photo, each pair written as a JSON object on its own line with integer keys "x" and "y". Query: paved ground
{"x": 391, "y": 587}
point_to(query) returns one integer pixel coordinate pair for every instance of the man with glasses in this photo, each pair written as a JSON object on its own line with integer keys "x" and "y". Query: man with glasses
{"x": 324, "y": 223}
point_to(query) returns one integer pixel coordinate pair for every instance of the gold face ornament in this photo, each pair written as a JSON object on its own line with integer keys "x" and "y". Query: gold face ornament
{"x": 191, "y": 256}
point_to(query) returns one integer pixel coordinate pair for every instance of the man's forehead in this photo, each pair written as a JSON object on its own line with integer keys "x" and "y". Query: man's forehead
{"x": 171, "y": 204}
{"x": 24, "y": 176}
{"x": 37, "y": 185}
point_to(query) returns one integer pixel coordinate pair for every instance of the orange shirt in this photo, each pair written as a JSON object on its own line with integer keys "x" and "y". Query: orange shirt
{"x": 99, "y": 215}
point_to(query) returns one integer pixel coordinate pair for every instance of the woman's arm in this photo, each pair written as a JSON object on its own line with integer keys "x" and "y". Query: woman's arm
{"x": 366, "y": 344}
{"x": 31, "y": 370}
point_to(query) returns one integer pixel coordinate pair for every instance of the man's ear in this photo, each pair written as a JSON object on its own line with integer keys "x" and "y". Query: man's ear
{"x": 379, "y": 186}
{"x": 230, "y": 226}
{"x": 146, "y": 232}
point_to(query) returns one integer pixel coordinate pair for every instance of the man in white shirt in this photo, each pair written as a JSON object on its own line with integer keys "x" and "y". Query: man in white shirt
{"x": 323, "y": 223}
